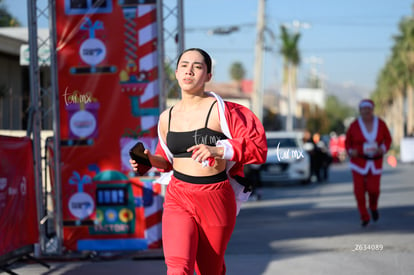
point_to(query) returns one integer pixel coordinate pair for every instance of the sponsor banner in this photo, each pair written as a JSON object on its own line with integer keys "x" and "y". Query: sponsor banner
{"x": 18, "y": 208}
{"x": 108, "y": 97}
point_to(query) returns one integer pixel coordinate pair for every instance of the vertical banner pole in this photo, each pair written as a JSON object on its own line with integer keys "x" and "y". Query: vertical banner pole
{"x": 35, "y": 109}
{"x": 180, "y": 21}
{"x": 160, "y": 49}
{"x": 56, "y": 130}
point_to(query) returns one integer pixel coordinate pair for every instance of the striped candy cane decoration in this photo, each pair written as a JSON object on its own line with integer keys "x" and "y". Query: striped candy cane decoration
{"x": 140, "y": 82}
{"x": 148, "y": 62}
{"x": 147, "y": 66}
{"x": 139, "y": 78}
{"x": 153, "y": 213}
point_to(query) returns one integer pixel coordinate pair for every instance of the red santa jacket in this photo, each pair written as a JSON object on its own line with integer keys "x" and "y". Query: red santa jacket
{"x": 246, "y": 143}
{"x": 358, "y": 138}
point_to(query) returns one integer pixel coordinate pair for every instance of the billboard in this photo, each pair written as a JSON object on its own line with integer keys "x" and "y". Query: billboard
{"x": 108, "y": 99}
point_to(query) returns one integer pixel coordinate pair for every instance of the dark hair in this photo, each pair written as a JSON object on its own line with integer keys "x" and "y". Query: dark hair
{"x": 206, "y": 56}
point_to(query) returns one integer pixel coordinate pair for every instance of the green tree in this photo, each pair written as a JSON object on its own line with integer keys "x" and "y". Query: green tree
{"x": 396, "y": 81}
{"x": 405, "y": 45}
{"x": 329, "y": 119}
{"x": 291, "y": 60}
{"x": 6, "y": 19}
{"x": 237, "y": 73}
{"x": 271, "y": 120}
{"x": 318, "y": 122}
{"x": 170, "y": 82}
{"x": 337, "y": 112}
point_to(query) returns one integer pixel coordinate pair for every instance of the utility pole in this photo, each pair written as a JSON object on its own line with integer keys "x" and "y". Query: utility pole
{"x": 257, "y": 96}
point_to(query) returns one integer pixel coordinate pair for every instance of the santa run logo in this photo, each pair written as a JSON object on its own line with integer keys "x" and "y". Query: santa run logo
{"x": 288, "y": 153}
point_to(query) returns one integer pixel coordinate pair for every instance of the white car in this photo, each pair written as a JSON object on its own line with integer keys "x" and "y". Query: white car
{"x": 287, "y": 160}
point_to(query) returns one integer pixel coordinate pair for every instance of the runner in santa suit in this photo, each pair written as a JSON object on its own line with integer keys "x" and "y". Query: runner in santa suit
{"x": 204, "y": 143}
{"x": 367, "y": 140}
{"x": 245, "y": 144}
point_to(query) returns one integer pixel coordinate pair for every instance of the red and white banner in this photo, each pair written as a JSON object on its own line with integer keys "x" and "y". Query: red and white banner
{"x": 108, "y": 90}
{"x": 18, "y": 210}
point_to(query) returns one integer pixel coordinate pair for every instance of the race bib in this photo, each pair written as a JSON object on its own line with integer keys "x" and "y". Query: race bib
{"x": 370, "y": 148}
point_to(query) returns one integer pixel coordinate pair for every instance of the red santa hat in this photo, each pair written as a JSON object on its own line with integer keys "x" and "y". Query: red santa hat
{"x": 366, "y": 103}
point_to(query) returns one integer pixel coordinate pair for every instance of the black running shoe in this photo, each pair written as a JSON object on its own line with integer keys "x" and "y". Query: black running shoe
{"x": 375, "y": 215}
{"x": 364, "y": 223}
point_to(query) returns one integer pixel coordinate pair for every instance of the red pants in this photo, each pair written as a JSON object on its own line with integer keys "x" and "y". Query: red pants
{"x": 197, "y": 224}
{"x": 363, "y": 184}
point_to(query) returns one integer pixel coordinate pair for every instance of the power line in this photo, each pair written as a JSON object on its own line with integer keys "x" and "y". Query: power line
{"x": 349, "y": 50}
{"x": 318, "y": 50}
{"x": 234, "y": 27}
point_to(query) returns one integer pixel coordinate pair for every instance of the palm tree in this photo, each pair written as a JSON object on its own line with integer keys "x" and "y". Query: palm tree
{"x": 291, "y": 59}
{"x": 6, "y": 19}
{"x": 390, "y": 93}
{"x": 405, "y": 46}
{"x": 170, "y": 82}
{"x": 396, "y": 81}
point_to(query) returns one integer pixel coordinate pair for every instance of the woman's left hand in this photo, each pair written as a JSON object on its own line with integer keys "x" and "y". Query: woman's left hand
{"x": 202, "y": 152}
{"x": 380, "y": 151}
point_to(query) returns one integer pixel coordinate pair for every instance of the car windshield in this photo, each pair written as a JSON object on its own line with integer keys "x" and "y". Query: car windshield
{"x": 283, "y": 142}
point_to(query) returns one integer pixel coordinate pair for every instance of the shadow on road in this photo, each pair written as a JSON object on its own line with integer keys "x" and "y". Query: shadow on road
{"x": 296, "y": 220}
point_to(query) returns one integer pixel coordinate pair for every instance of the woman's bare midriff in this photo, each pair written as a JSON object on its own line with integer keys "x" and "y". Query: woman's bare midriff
{"x": 191, "y": 167}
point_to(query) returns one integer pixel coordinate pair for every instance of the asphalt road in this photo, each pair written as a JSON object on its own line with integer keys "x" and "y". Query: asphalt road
{"x": 295, "y": 229}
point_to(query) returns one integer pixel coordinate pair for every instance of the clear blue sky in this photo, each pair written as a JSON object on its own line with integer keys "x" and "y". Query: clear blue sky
{"x": 352, "y": 38}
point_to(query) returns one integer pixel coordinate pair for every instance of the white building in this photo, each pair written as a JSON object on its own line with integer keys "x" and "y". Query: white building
{"x": 311, "y": 96}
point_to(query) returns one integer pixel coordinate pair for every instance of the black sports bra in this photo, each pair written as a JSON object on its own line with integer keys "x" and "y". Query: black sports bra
{"x": 179, "y": 142}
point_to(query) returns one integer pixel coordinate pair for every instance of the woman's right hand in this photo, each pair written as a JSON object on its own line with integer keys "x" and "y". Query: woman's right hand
{"x": 156, "y": 161}
{"x": 134, "y": 164}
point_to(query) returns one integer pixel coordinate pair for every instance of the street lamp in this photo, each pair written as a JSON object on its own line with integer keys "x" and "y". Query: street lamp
{"x": 314, "y": 73}
{"x": 297, "y": 25}
{"x": 223, "y": 30}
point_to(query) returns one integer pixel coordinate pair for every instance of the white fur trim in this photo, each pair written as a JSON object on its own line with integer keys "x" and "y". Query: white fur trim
{"x": 237, "y": 187}
{"x": 221, "y": 106}
{"x": 369, "y": 136}
{"x": 164, "y": 178}
{"x": 238, "y": 206}
{"x": 164, "y": 146}
{"x": 228, "y": 152}
{"x": 363, "y": 171}
{"x": 366, "y": 104}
